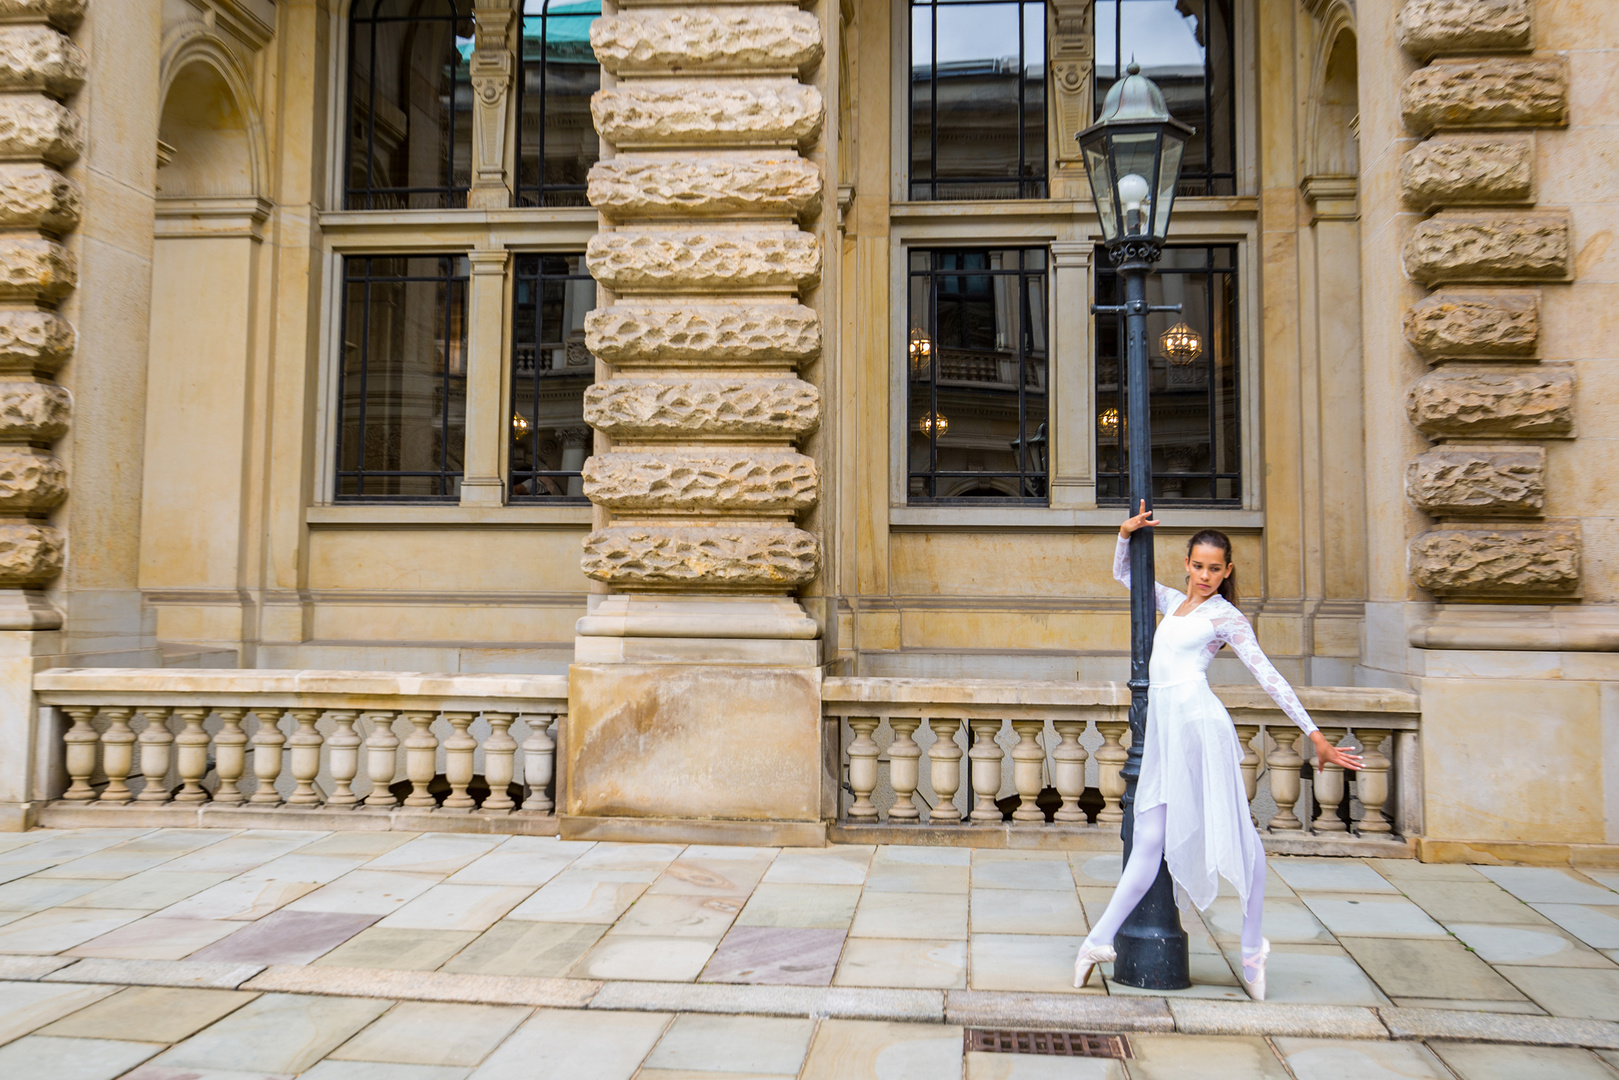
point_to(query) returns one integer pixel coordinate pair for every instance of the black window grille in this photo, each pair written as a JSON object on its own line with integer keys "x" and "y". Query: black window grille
{"x": 402, "y": 399}
{"x": 409, "y": 125}
{"x": 978, "y": 99}
{"x": 550, "y": 370}
{"x": 977, "y": 374}
{"x": 556, "y": 142}
{"x": 1185, "y": 46}
{"x": 1192, "y": 365}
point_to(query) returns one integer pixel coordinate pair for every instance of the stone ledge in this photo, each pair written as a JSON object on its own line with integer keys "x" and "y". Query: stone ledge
{"x": 30, "y": 968}
{"x": 703, "y": 334}
{"x": 674, "y": 40}
{"x": 64, "y": 815}
{"x": 442, "y": 986}
{"x": 627, "y": 187}
{"x": 1524, "y": 404}
{"x": 1500, "y": 561}
{"x": 1506, "y": 247}
{"x": 716, "y": 556}
{"x": 62, "y": 14}
{"x": 40, "y": 58}
{"x": 1193, "y": 1017}
{"x": 680, "y": 112}
{"x": 35, "y": 128}
{"x": 1457, "y": 169}
{"x": 709, "y": 479}
{"x": 1427, "y": 28}
{"x": 686, "y": 261}
{"x": 1499, "y": 1028}
{"x": 33, "y": 268}
{"x": 198, "y": 974}
{"x": 841, "y": 1002}
{"x": 1472, "y": 481}
{"x": 1458, "y": 325}
{"x": 1486, "y": 93}
{"x": 658, "y": 830}
{"x": 1072, "y": 1012}
{"x": 697, "y": 408}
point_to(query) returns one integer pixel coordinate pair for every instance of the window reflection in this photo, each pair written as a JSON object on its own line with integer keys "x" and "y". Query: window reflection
{"x": 556, "y": 142}
{"x": 550, "y": 370}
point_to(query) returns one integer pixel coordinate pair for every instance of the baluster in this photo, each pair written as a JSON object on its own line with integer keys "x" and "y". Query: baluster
{"x": 155, "y": 743}
{"x": 1246, "y": 733}
{"x": 1110, "y": 759}
{"x": 230, "y": 757}
{"x": 904, "y": 771}
{"x": 344, "y": 757}
{"x": 1284, "y": 762}
{"x": 1028, "y": 762}
{"x": 1329, "y": 786}
{"x": 1069, "y": 780}
{"x": 944, "y": 760}
{"x": 81, "y": 740}
{"x": 421, "y": 757}
{"x": 986, "y": 756}
{"x": 306, "y": 743}
{"x": 863, "y": 767}
{"x": 1372, "y": 783}
{"x": 497, "y": 761}
{"x": 117, "y": 755}
{"x": 539, "y": 763}
{"x": 191, "y": 755}
{"x": 267, "y": 744}
{"x": 381, "y": 760}
{"x": 458, "y": 751}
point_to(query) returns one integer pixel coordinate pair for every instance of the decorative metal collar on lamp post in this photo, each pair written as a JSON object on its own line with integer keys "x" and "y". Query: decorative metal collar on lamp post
{"x": 1133, "y": 160}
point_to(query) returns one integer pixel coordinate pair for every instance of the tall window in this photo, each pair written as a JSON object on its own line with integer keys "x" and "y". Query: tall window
{"x": 1193, "y": 380}
{"x": 409, "y": 105}
{"x": 550, "y": 370}
{"x": 402, "y": 398}
{"x": 978, "y": 100}
{"x": 1185, "y": 46}
{"x": 557, "y": 141}
{"x": 976, "y": 354}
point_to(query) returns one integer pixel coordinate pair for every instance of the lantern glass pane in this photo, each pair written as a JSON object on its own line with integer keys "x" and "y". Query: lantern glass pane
{"x": 1135, "y": 153}
{"x": 1096, "y": 167}
{"x": 1168, "y": 169}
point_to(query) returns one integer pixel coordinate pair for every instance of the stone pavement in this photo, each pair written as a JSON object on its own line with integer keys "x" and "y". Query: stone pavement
{"x": 184, "y": 954}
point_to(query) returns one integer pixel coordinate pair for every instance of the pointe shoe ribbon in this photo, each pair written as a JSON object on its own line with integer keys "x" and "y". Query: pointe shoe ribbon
{"x": 1089, "y": 956}
{"x": 1255, "y": 985}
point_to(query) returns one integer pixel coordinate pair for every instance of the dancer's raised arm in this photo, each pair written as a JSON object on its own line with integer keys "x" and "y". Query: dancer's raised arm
{"x": 1168, "y": 599}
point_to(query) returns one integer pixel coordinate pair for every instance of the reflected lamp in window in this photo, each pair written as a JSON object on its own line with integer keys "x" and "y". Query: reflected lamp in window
{"x": 550, "y": 370}
{"x": 556, "y": 139}
{"x": 409, "y": 123}
{"x": 402, "y": 388}
{"x": 977, "y": 368}
{"x": 1192, "y": 377}
{"x": 1185, "y": 46}
{"x": 978, "y": 100}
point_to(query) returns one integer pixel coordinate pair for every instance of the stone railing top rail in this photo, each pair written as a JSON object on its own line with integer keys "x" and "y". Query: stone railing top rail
{"x": 287, "y": 689}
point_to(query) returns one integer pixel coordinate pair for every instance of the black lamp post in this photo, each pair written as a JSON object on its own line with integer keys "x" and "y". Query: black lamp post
{"x": 1133, "y": 159}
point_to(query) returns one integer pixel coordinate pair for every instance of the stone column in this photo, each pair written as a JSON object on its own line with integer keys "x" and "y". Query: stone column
{"x": 695, "y": 691}
{"x": 488, "y": 404}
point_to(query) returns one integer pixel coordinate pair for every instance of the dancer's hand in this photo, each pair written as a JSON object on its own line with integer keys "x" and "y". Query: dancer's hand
{"x": 1143, "y": 520}
{"x": 1328, "y": 754}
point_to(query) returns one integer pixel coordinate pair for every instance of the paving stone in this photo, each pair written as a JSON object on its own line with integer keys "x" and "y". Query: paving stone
{"x": 914, "y": 878}
{"x": 1549, "y": 885}
{"x": 287, "y": 937}
{"x": 25, "y": 1007}
{"x": 705, "y": 918}
{"x": 1313, "y": 975}
{"x": 1037, "y": 962}
{"x": 357, "y": 845}
{"x": 1267, "y": 1018}
{"x": 1328, "y": 875}
{"x": 1403, "y": 870}
{"x": 156, "y": 938}
{"x": 921, "y": 1006}
{"x": 31, "y": 894}
{"x": 1498, "y": 1027}
{"x": 163, "y": 1072}
{"x": 1373, "y": 916}
{"x": 1415, "y": 967}
{"x": 863, "y": 1050}
{"x": 1071, "y": 1012}
{"x": 162, "y": 1014}
{"x": 195, "y": 973}
{"x": 1179, "y": 1057}
{"x": 436, "y": 1033}
{"x": 242, "y": 899}
{"x": 982, "y": 1066}
{"x": 526, "y": 948}
{"x": 115, "y": 862}
{"x": 921, "y": 855}
{"x": 1527, "y": 1008}
{"x": 56, "y": 929}
{"x": 910, "y": 915}
{"x": 734, "y": 1044}
{"x": 1543, "y": 946}
{"x": 427, "y": 986}
{"x": 790, "y": 955}
{"x": 840, "y": 865}
{"x": 280, "y": 1033}
{"x": 31, "y": 967}
{"x": 1043, "y": 874}
{"x": 1582, "y": 993}
{"x": 797, "y": 905}
{"x": 1286, "y": 921}
{"x": 458, "y": 907}
{"x": 72, "y": 1059}
{"x": 1325, "y": 1059}
{"x": 576, "y": 1045}
{"x": 580, "y": 896}
{"x": 1491, "y": 1061}
{"x": 436, "y": 853}
{"x": 1211, "y": 978}
{"x": 1477, "y": 901}
{"x": 907, "y": 963}
{"x": 402, "y": 950}
{"x": 151, "y": 890}
{"x": 1597, "y": 926}
{"x": 695, "y": 876}
{"x": 632, "y": 956}
{"x": 646, "y": 861}
{"x": 530, "y": 863}
{"x": 367, "y": 892}
{"x": 332, "y": 1069}
{"x": 245, "y": 851}
{"x": 1031, "y": 911}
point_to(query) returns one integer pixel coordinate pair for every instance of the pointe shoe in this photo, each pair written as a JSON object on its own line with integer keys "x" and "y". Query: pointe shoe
{"x": 1089, "y": 956}
{"x": 1255, "y": 964}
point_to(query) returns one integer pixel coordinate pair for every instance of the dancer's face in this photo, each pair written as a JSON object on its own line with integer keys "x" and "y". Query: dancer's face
{"x": 1206, "y": 568}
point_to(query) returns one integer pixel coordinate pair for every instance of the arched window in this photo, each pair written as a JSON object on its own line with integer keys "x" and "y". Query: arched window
{"x": 556, "y": 142}
{"x": 409, "y": 105}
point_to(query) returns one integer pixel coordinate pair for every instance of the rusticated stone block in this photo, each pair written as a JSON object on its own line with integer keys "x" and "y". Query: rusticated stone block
{"x": 1465, "y": 480}
{"x": 33, "y": 412}
{"x": 705, "y": 334}
{"x": 1485, "y": 403}
{"x": 34, "y": 341}
{"x": 745, "y": 480}
{"x": 35, "y": 128}
{"x": 636, "y": 261}
{"x": 679, "y": 112}
{"x": 1490, "y": 247}
{"x": 38, "y": 197}
{"x": 1457, "y": 169}
{"x": 29, "y": 554}
{"x": 1475, "y": 325}
{"x": 1481, "y": 562}
{"x": 674, "y": 39}
{"x": 64, "y": 14}
{"x": 33, "y": 268}
{"x": 1495, "y": 92}
{"x": 30, "y": 480}
{"x": 716, "y": 556}
{"x": 700, "y": 408}
{"x": 1427, "y": 28}
{"x": 39, "y": 58}
{"x": 629, "y": 187}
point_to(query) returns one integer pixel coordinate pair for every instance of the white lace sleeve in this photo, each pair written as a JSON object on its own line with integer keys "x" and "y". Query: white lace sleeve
{"x": 1168, "y": 599}
{"x": 1233, "y": 628}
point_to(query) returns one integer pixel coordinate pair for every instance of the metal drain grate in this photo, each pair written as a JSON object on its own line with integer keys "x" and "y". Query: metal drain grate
{"x": 1055, "y": 1043}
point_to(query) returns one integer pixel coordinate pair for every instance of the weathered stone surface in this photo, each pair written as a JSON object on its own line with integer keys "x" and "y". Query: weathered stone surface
{"x": 29, "y": 554}
{"x": 39, "y": 58}
{"x": 1453, "y": 325}
{"x": 1490, "y": 247}
{"x": 1484, "y": 403}
{"x": 743, "y": 557}
{"x": 32, "y": 268}
{"x": 30, "y": 480}
{"x": 1427, "y": 28}
{"x": 630, "y": 334}
{"x": 702, "y": 408}
{"x": 1496, "y": 92}
{"x": 636, "y": 261}
{"x": 665, "y": 40}
{"x": 629, "y": 187}
{"x": 34, "y": 341}
{"x": 702, "y": 480}
{"x": 679, "y": 112}
{"x": 1463, "y": 480}
{"x": 31, "y": 411}
{"x": 37, "y": 196}
{"x": 1498, "y": 562}
{"x": 62, "y": 13}
{"x": 35, "y": 128}
{"x": 1468, "y": 169}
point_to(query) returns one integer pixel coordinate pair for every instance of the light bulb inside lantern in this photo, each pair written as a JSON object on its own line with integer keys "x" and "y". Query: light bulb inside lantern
{"x": 1133, "y": 191}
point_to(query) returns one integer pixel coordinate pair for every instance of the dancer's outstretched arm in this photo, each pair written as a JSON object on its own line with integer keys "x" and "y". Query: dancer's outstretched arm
{"x": 1168, "y": 599}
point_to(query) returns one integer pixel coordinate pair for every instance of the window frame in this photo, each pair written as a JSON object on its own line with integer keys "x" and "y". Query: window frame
{"x": 514, "y": 149}
{"x": 509, "y": 382}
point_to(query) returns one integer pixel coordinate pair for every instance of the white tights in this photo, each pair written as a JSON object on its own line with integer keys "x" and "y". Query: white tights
{"x": 1146, "y": 853}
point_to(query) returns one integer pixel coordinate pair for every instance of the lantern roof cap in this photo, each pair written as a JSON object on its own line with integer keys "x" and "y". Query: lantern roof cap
{"x": 1134, "y": 99}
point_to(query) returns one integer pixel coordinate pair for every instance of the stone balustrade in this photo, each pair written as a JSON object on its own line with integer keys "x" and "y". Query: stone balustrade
{"x": 1028, "y": 763}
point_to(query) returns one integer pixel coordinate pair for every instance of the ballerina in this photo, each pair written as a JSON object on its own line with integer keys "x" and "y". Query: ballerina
{"x": 1191, "y": 809}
